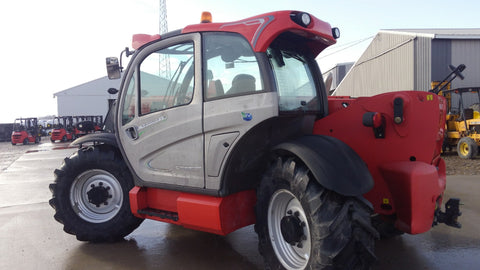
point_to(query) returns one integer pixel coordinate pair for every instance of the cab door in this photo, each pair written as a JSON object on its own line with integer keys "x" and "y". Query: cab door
{"x": 160, "y": 114}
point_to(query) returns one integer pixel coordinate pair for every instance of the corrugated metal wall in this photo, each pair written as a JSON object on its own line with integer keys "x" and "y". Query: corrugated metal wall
{"x": 423, "y": 68}
{"x": 336, "y": 74}
{"x": 441, "y": 58}
{"x": 467, "y": 51}
{"x": 386, "y": 65}
{"x": 397, "y": 61}
{"x": 455, "y": 52}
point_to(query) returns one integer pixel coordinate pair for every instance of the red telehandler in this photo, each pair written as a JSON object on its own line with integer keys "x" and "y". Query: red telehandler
{"x": 221, "y": 125}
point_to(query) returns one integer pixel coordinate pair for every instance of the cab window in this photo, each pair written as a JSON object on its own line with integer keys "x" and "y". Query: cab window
{"x": 231, "y": 67}
{"x": 128, "y": 111}
{"x": 166, "y": 78}
{"x": 295, "y": 83}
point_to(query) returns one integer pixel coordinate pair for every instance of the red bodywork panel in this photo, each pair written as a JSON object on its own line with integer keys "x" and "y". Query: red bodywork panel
{"x": 406, "y": 166}
{"x": 219, "y": 215}
{"x": 261, "y": 30}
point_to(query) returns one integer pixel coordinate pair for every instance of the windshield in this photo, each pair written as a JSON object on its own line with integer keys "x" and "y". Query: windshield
{"x": 295, "y": 83}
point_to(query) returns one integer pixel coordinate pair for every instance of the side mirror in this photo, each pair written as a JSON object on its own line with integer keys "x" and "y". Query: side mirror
{"x": 113, "y": 68}
{"x": 112, "y": 91}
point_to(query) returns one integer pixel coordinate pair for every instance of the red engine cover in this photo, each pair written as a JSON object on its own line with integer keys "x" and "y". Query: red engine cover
{"x": 405, "y": 164}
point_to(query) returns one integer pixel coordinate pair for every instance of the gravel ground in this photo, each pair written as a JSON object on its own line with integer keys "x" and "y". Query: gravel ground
{"x": 455, "y": 165}
{"x": 460, "y": 166}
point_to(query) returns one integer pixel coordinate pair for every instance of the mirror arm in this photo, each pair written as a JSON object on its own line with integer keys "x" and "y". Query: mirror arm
{"x": 127, "y": 54}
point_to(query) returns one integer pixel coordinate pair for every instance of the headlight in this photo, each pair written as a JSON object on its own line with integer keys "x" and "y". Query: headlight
{"x": 301, "y": 18}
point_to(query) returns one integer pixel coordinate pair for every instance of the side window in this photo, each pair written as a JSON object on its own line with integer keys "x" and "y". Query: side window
{"x": 128, "y": 111}
{"x": 166, "y": 78}
{"x": 231, "y": 66}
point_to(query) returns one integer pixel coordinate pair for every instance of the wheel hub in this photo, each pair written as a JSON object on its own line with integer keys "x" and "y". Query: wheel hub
{"x": 99, "y": 194}
{"x": 292, "y": 229}
{"x": 289, "y": 230}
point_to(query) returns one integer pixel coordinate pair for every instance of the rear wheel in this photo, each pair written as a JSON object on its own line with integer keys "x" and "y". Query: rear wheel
{"x": 302, "y": 225}
{"x": 467, "y": 148}
{"x": 90, "y": 195}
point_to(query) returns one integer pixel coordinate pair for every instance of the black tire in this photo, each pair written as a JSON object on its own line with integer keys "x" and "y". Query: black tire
{"x": 467, "y": 148}
{"x": 312, "y": 227}
{"x": 64, "y": 138}
{"x": 25, "y": 141}
{"x": 90, "y": 195}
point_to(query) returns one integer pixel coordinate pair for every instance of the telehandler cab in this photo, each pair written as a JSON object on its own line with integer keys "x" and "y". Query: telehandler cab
{"x": 222, "y": 125}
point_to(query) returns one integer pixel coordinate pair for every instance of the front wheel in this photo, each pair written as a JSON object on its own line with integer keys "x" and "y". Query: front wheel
{"x": 467, "y": 148}
{"x": 302, "y": 225}
{"x": 90, "y": 195}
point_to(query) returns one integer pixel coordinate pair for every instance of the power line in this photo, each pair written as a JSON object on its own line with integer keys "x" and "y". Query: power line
{"x": 346, "y": 46}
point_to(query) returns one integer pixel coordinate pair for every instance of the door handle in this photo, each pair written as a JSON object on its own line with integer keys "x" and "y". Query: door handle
{"x": 132, "y": 132}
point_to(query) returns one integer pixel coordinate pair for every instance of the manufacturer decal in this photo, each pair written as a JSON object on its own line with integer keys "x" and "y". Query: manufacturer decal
{"x": 246, "y": 116}
{"x": 162, "y": 118}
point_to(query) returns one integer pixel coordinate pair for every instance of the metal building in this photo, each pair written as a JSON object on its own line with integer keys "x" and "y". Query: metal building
{"x": 90, "y": 98}
{"x": 411, "y": 59}
{"x": 335, "y": 75}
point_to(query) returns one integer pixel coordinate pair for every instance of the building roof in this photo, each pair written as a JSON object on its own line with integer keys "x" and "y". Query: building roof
{"x": 97, "y": 87}
{"x": 439, "y": 33}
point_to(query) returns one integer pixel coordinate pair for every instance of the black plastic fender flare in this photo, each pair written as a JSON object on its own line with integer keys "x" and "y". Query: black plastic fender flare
{"x": 95, "y": 138}
{"x": 333, "y": 163}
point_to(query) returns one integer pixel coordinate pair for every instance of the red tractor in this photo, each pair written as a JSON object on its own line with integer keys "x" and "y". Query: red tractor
{"x": 63, "y": 129}
{"x": 221, "y": 125}
{"x": 25, "y": 131}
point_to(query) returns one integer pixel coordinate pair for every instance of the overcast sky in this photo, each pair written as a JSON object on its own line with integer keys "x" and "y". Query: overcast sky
{"x": 51, "y": 45}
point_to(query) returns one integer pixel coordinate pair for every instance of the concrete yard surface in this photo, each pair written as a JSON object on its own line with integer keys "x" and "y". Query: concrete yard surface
{"x": 31, "y": 239}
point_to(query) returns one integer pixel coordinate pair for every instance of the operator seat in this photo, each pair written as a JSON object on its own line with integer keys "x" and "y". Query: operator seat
{"x": 242, "y": 83}
{"x": 215, "y": 89}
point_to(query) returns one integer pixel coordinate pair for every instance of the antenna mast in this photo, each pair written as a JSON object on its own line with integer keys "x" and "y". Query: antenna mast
{"x": 163, "y": 28}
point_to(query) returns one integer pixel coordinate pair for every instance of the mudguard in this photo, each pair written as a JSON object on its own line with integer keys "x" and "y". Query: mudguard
{"x": 333, "y": 163}
{"x": 95, "y": 138}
